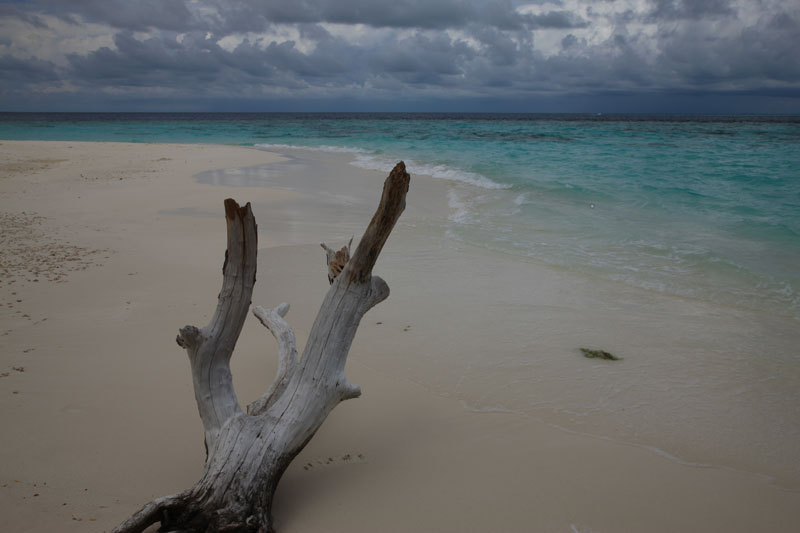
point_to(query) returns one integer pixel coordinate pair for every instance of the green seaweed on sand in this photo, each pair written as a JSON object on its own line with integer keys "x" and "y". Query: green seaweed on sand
{"x": 599, "y": 354}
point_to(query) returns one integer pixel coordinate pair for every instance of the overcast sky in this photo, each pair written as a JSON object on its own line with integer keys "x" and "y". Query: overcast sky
{"x": 426, "y": 55}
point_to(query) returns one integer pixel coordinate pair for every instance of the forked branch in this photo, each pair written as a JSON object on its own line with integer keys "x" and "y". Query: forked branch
{"x": 247, "y": 454}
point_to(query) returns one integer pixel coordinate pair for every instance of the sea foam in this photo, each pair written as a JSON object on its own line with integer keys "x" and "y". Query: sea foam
{"x": 331, "y": 149}
{"x": 385, "y": 164}
{"x": 369, "y": 161}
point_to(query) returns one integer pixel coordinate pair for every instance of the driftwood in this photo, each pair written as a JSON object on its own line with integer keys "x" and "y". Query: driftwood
{"x": 247, "y": 452}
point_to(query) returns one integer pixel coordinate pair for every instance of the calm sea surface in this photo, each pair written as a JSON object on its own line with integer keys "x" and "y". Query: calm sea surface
{"x": 697, "y": 206}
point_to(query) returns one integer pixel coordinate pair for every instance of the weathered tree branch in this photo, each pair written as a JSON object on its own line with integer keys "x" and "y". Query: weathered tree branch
{"x": 393, "y": 202}
{"x": 248, "y": 453}
{"x": 155, "y": 511}
{"x": 273, "y": 320}
{"x": 211, "y": 347}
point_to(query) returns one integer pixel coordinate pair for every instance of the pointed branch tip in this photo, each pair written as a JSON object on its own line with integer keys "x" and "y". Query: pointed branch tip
{"x": 391, "y": 206}
{"x": 233, "y": 210}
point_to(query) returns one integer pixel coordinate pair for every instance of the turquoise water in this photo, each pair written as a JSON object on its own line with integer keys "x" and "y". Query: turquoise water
{"x": 701, "y": 207}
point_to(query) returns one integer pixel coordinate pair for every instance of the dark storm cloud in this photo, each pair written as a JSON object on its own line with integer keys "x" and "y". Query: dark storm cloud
{"x": 764, "y": 51}
{"x": 378, "y": 13}
{"x": 501, "y": 50}
{"x": 134, "y": 61}
{"x": 556, "y": 19}
{"x": 422, "y": 60}
{"x": 13, "y": 11}
{"x": 13, "y": 71}
{"x": 197, "y": 63}
{"x": 440, "y": 14}
{"x": 690, "y": 9}
{"x": 255, "y": 15}
{"x": 124, "y": 14}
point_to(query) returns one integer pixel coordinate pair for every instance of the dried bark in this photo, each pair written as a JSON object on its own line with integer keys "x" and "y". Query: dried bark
{"x": 248, "y": 452}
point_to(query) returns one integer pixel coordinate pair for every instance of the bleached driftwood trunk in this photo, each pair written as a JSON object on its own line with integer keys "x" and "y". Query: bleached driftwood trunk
{"x": 248, "y": 452}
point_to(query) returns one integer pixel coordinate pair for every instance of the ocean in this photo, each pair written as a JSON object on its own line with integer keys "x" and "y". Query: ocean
{"x": 704, "y": 207}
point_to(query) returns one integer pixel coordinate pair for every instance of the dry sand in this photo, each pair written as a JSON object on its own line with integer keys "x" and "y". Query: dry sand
{"x": 107, "y": 249}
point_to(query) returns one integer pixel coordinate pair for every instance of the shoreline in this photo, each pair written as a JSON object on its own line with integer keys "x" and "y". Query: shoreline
{"x": 105, "y": 395}
{"x": 689, "y": 388}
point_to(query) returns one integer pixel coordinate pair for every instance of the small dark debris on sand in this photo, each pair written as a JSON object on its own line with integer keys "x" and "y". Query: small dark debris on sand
{"x": 599, "y": 354}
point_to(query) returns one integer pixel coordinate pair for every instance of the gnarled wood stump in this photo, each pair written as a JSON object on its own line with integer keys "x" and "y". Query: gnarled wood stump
{"x": 249, "y": 451}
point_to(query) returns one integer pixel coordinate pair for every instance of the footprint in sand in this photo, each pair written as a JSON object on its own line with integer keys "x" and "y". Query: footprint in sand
{"x": 345, "y": 459}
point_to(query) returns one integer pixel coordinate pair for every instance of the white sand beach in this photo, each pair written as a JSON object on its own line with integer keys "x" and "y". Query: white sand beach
{"x": 108, "y": 248}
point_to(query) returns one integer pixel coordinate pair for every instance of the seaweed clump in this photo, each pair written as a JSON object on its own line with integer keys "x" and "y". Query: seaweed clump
{"x": 599, "y": 354}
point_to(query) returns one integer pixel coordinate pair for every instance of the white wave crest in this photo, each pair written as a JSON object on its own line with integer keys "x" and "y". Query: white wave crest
{"x": 459, "y": 208}
{"x": 373, "y": 162}
{"x": 322, "y": 148}
{"x": 368, "y": 161}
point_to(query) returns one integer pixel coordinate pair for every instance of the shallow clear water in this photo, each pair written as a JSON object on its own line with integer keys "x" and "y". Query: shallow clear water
{"x": 704, "y": 207}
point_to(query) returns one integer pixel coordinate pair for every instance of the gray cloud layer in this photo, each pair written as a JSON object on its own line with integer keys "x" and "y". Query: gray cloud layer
{"x": 413, "y": 51}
